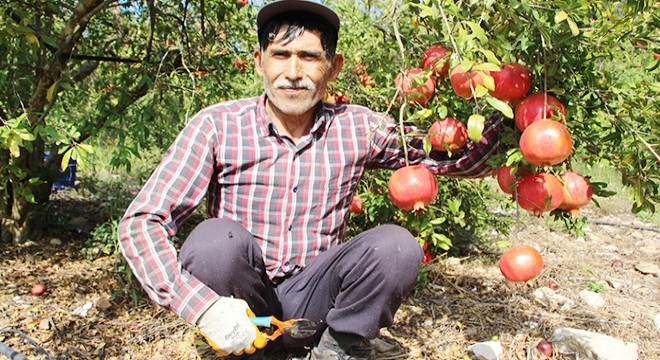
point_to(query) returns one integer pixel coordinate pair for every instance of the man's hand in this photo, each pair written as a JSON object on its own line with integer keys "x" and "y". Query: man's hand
{"x": 228, "y": 328}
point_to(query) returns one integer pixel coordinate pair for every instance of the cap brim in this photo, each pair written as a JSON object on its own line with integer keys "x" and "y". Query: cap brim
{"x": 283, "y": 6}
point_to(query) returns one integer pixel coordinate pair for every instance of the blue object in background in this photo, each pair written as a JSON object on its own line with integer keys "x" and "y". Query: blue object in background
{"x": 68, "y": 178}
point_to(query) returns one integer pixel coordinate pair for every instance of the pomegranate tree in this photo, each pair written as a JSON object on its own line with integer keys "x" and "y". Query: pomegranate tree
{"x": 521, "y": 263}
{"x": 460, "y": 81}
{"x": 511, "y": 83}
{"x": 448, "y": 135}
{"x": 412, "y": 188}
{"x": 436, "y": 58}
{"x": 577, "y": 192}
{"x": 537, "y": 107}
{"x": 546, "y": 143}
{"x": 416, "y": 84}
{"x": 539, "y": 192}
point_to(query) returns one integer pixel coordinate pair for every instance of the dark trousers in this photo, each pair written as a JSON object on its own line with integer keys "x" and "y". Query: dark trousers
{"x": 355, "y": 287}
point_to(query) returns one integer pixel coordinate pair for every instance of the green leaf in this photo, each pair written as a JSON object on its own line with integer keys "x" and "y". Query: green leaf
{"x": 480, "y": 91}
{"x": 13, "y": 147}
{"x": 487, "y": 66}
{"x": 427, "y": 145}
{"x": 501, "y": 106}
{"x": 65, "y": 159}
{"x": 476, "y": 127}
{"x": 491, "y": 57}
{"x": 560, "y": 16}
{"x": 574, "y": 28}
{"x": 489, "y": 82}
{"x": 51, "y": 91}
{"x": 442, "y": 111}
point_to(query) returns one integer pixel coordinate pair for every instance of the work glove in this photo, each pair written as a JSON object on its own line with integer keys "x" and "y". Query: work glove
{"x": 228, "y": 329}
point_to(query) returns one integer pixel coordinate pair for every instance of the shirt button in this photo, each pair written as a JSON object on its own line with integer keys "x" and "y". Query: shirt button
{"x": 286, "y": 263}
{"x": 295, "y": 189}
{"x": 290, "y": 227}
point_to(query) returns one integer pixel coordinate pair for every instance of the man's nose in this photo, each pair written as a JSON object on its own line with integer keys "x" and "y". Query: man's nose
{"x": 294, "y": 68}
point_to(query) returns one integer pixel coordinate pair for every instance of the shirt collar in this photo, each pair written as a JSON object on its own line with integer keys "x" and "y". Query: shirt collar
{"x": 324, "y": 113}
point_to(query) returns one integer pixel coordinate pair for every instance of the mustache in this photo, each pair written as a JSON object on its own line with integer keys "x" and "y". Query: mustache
{"x": 299, "y": 84}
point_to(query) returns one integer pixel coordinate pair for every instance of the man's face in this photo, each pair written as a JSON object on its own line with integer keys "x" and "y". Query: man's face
{"x": 296, "y": 73}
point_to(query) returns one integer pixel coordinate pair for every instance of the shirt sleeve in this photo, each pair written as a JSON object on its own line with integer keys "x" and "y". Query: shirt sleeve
{"x": 173, "y": 191}
{"x": 387, "y": 150}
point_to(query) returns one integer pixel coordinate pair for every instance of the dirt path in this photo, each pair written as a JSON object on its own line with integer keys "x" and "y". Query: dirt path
{"x": 464, "y": 300}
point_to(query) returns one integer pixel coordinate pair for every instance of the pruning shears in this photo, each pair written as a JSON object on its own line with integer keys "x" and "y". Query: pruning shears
{"x": 297, "y": 328}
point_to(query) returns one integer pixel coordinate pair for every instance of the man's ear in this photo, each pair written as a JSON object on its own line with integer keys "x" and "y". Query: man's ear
{"x": 257, "y": 62}
{"x": 337, "y": 64}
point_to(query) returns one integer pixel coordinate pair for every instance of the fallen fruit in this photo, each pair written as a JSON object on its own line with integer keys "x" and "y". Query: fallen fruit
{"x": 617, "y": 263}
{"x": 427, "y": 257}
{"x": 412, "y": 188}
{"x": 553, "y": 285}
{"x": 38, "y": 289}
{"x": 521, "y": 263}
{"x": 544, "y": 347}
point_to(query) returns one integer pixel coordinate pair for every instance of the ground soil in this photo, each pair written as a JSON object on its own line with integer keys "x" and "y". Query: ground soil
{"x": 464, "y": 300}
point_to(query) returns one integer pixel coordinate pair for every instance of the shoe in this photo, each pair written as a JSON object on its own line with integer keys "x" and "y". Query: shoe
{"x": 341, "y": 346}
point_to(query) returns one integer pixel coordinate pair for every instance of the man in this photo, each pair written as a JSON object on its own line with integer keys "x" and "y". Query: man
{"x": 279, "y": 172}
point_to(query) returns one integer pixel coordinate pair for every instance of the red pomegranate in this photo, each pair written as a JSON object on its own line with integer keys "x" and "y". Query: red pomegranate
{"x": 577, "y": 192}
{"x": 511, "y": 83}
{"x": 521, "y": 263}
{"x": 356, "y": 205}
{"x": 460, "y": 81}
{"x": 534, "y": 107}
{"x": 506, "y": 177}
{"x": 436, "y": 58}
{"x": 414, "y": 85}
{"x": 546, "y": 143}
{"x": 539, "y": 192}
{"x": 448, "y": 135}
{"x": 412, "y": 188}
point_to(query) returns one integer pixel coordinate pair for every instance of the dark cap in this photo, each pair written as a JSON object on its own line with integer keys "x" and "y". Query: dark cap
{"x": 279, "y": 7}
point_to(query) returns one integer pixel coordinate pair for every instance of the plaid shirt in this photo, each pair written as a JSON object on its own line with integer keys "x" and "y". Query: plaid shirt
{"x": 293, "y": 198}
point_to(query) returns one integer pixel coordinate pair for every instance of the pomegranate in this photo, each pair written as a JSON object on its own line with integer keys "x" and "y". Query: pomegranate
{"x": 427, "y": 257}
{"x": 412, "y": 188}
{"x": 544, "y": 347}
{"x": 546, "y": 143}
{"x": 436, "y": 58}
{"x": 511, "y": 83}
{"x": 539, "y": 192}
{"x": 577, "y": 192}
{"x": 38, "y": 289}
{"x": 417, "y": 89}
{"x": 460, "y": 81}
{"x": 240, "y": 64}
{"x": 521, "y": 263}
{"x": 506, "y": 178}
{"x": 356, "y": 205}
{"x": 534, "y": 107}
{"x": 241, "y": 3}
{"x": 448, "y": 135}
